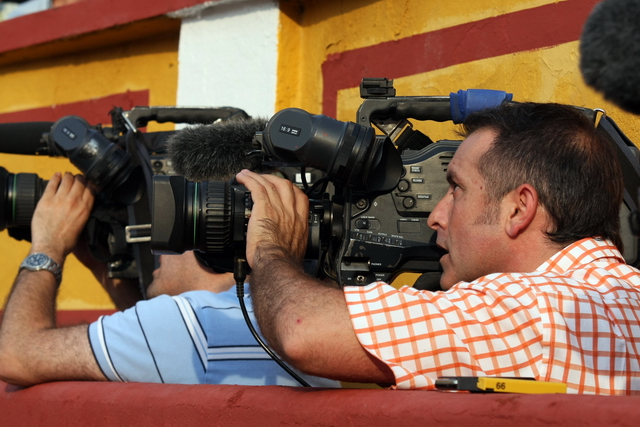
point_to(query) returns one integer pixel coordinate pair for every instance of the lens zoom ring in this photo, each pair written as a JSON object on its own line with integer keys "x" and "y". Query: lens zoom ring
{"x": 217, "y": 217}
{"x": 28, "y": 192}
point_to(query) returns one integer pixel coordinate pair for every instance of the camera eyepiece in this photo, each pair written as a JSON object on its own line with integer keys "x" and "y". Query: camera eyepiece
{"x": 348, "y": 153}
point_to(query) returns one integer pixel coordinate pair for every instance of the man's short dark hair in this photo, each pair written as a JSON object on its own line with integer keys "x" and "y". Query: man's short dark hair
{"x": 557, "y": 149}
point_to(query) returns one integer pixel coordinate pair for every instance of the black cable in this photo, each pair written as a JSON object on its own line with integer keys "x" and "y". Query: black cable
{"x": 240, "y": 274}
{"x": 321, "y": 182}
{"x": 303, "y": 178}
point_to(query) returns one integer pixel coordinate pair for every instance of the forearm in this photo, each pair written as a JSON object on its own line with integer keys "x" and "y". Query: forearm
{"x": 280, "y": 293}
{"x": 30, "y": 309}
{"x": 32, "y": 302}
{"x": 32, "y": 299}
{"x": 32, "y": 349}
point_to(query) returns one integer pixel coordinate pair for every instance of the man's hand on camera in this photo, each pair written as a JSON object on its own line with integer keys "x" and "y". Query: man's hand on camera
{"x": 60, "y": 215}
{"x": 279, "y": 217}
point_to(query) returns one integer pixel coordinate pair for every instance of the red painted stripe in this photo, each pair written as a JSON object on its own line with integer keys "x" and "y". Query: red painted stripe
{"x": 75, "y": 317}
{"x": 80, "y": 18}
{"x": 530, "y": 29}
{"x": 94, "y": 111}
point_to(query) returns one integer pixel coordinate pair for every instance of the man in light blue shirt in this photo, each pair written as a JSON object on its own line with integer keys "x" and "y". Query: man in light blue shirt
{"x": 196, "y": 337}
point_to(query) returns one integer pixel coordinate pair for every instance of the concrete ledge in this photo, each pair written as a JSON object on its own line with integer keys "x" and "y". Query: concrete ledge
{"x": 95, "y": 403}
{"x": 81, "y": 18}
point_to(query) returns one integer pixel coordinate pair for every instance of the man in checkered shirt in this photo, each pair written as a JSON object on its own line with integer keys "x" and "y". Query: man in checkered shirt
{"x": 534, "y": 283}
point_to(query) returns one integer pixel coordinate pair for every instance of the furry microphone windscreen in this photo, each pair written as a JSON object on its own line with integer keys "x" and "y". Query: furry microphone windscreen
{"x": 215, "y": 152}
{"x": 610, "y": 52}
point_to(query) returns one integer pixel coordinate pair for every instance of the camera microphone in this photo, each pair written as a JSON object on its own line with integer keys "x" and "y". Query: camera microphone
{"x": 610, "y": 52}
{"x": 217, "y": 151}
{"x": 23, "y": 137}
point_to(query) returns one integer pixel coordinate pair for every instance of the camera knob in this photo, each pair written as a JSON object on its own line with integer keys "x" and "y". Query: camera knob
{"x": 403, "y": 185}
{"x": 408, "y": 202}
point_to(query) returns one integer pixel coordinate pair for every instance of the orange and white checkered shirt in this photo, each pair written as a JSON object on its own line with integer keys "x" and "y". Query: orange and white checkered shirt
{"x": 575, "y": 320}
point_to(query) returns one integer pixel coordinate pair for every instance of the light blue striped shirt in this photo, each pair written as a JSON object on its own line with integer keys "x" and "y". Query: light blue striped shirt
{"x": 198, "y": 337}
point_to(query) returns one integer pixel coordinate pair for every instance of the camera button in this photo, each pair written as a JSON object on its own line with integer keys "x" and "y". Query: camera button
{"x": 363, "y": 224}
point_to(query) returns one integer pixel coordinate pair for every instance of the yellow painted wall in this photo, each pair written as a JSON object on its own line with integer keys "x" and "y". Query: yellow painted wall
{"x": 548, "y": 75}
{"x": 313, "y": 29}
{"x": 89, "y": 69}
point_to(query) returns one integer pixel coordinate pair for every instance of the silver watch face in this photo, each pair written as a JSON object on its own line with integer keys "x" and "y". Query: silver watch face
{"x": 37, "y": 260}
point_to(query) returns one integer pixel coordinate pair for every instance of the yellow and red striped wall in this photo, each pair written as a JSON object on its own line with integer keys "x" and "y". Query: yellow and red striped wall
{"x": 262, "y": 56}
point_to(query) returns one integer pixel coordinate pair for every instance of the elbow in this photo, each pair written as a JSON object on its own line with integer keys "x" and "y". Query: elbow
{"x": 292, "y": 350}
{"x": 12, "y": 369}
{"x": 297, "y": 349}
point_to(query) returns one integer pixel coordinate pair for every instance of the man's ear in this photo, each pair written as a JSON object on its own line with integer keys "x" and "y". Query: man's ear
{"x": 522, "y": 204}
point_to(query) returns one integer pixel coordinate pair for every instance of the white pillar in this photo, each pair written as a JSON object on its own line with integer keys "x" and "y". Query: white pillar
{"x": 228, "y": 56}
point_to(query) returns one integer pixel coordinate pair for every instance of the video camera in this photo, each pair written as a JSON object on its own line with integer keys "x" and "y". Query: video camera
{"x": 119, "y": 161}
{"x": 373, "y": 224}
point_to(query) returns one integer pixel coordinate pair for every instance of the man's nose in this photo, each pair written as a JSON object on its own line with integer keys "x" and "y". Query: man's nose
{"x": 438, "y": 218}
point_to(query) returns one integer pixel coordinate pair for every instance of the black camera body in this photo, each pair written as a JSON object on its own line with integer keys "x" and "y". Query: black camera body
{"x": 388, "y": 233}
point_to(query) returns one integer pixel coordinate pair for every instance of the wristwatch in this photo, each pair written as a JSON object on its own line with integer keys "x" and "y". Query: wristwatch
{"x": 40, "y": 261}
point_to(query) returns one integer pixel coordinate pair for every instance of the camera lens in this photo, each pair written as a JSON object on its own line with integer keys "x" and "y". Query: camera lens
{"x": 211, "y": 217}
{"x": 19, "y": 195}
{"x": 208, "y": 216}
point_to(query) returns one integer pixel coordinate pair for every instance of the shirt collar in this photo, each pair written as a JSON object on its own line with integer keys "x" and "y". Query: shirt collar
{"x": 581, "y": 253}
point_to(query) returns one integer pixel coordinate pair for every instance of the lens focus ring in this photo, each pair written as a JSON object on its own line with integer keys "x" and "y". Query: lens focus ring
{"x": 216, "y": 218}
